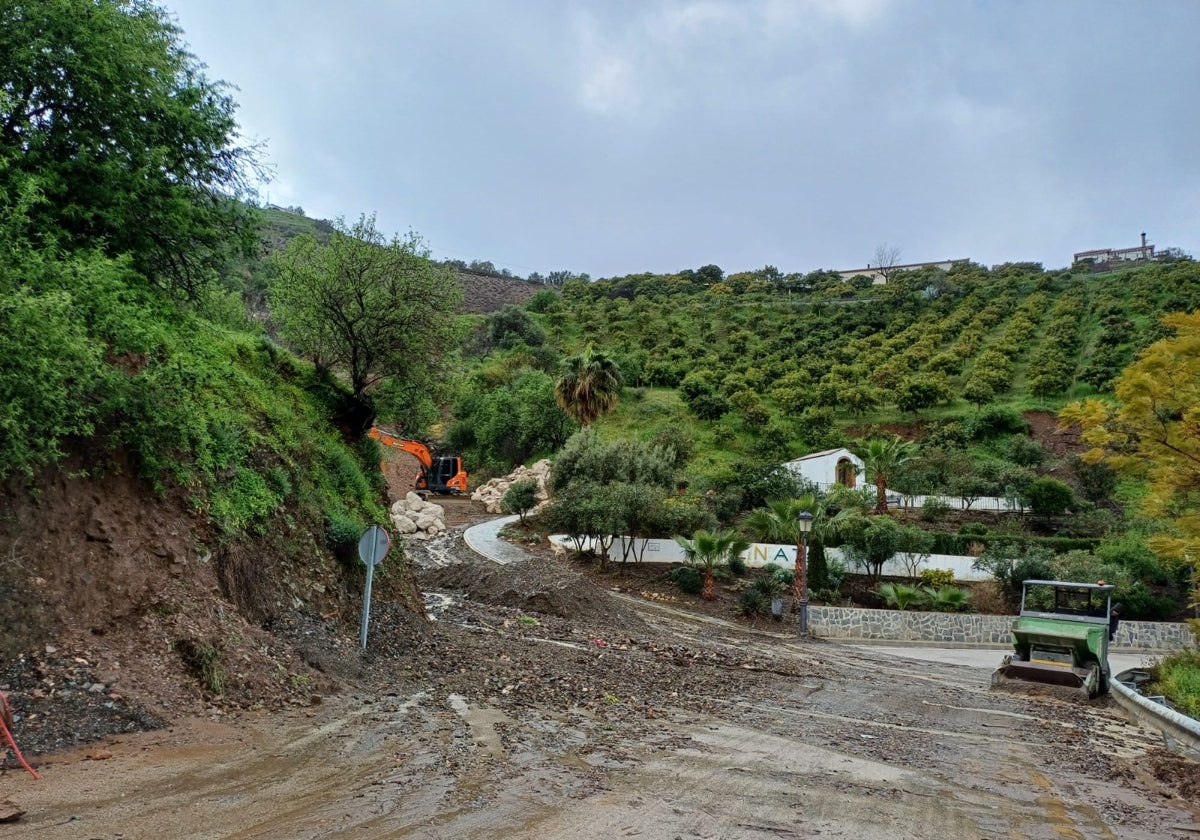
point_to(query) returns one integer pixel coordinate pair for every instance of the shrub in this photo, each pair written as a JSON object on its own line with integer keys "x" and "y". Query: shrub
{"x": 342, "y": 532}
{"x": 835, "y": 574}
{"x": 1130, "y": 551}
{"x": 947, "y": 598}
{"x": 737, "y": 566}
{"x": 1012, "y": 565}
{"x": 520, "y": 497}
{"x": 1141, "y": 603}
{"x": 205, "y": 661}
{"x": 973, "y": 528}
{"x": 996, "y": 421}
{"x": 1048, "y": 496}
{"x": 752, "y": 603}
{"x": 937, "y": 577}
{"x": 687, "y": 579}
{"x": 771, "y": 585}
{"x": 935, "y": 509}
{"x": 900, "y": 596}
{"x": 1179, "y": 680}
{"x": 1024, "y": 451}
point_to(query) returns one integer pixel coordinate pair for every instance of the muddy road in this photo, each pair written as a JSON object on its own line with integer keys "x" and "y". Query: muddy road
{"x": 598, "y": 716}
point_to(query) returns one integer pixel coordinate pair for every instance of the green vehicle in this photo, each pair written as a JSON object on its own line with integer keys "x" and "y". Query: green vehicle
{"x": 1060, "y": 636}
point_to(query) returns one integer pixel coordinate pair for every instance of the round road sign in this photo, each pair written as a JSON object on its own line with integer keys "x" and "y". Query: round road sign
{"x": 373, "y": 545}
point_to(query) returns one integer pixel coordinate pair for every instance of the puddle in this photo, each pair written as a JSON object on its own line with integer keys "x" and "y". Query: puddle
{"x": 482, "y": 722}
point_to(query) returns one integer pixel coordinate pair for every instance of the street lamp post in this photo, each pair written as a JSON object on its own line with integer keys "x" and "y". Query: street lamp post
{"x": 805, "y": 522}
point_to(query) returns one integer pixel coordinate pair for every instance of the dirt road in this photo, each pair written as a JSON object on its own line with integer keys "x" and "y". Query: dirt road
{"x": 602, "y": 717}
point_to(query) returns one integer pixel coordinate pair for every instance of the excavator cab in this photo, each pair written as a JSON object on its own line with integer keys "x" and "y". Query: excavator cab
{"x": 445, "y": 476}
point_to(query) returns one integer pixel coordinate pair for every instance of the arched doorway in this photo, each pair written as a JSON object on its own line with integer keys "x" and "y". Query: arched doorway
{"x": 847, "y": 472}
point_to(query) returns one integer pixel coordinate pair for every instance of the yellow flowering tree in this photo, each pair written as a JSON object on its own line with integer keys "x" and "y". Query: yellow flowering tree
{"x": 1153, "y": 433}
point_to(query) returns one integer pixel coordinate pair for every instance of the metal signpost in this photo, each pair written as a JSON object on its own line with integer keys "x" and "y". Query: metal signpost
{"x": 373, "y": 546}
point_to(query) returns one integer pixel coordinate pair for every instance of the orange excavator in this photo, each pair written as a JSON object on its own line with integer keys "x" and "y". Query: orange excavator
{"x": 442, "y": 474}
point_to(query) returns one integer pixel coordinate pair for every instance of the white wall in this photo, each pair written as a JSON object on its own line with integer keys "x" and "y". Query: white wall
{"x": 760, "y": 554}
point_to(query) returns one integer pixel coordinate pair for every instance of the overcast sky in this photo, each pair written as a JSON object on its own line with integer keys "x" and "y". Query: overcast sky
{"x": 618, "y": 136}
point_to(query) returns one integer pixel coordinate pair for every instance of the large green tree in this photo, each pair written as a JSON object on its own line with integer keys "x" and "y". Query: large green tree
{"x": 128, "y": 146}
{"x": 590, "y": 386}
{"x": 369, "y": 308}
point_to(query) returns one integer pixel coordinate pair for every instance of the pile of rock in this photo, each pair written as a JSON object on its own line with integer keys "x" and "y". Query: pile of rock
{"x": 492, "y": 493}
{"x": 414, "y": 517}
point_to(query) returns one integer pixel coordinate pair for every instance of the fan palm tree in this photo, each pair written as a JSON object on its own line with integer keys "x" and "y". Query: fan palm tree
{"x": 710, "y": 549}
{"x": 779, "y": 522}
{"x": 590, "y": 386}
{"x": 882, "y": 458}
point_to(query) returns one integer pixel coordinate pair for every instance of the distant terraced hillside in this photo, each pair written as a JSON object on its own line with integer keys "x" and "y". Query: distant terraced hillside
{"x": 483, "y": 293}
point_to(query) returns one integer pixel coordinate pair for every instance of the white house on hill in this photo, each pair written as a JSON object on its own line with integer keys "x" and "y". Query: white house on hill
{"x": 825, "y": 469}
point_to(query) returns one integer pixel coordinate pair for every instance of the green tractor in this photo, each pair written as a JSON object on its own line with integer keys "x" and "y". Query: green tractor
{"x": 1061, "y": 636}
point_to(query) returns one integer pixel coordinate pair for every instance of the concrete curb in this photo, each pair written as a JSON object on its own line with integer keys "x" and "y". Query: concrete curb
{"x": 483, "y": 539}
{"x": 1180, "y": 732}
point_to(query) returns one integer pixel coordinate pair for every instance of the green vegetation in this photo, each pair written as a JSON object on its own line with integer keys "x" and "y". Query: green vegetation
{"x": 710, "y": 550}
{"x": 1178, "y": 678}
{"x": 118, "y": 166}
{"x": 113, "y": 138}
{"x": 124, "y": 335}
{"x": 380, "y": 311}
{"x": 520, "y": 497}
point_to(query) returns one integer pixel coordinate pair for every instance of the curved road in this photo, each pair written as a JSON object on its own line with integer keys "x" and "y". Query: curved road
{"x": 484, "y": 540}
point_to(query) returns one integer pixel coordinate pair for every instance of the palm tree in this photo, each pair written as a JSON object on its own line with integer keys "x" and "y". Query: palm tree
{"x": 590, "y": 387}
{"x": 779, "y": 522}
{"x": 710, "y": 549}
{"x": 882, "y": 459}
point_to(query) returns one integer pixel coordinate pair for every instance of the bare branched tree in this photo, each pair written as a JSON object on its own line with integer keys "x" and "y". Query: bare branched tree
{"x": 887, "y": 257}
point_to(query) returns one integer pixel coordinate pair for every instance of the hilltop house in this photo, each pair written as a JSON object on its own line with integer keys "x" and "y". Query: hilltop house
{"x": 1103, "y": 256}
{"x": 879, "y": 274}
{"x": 825, "y": 469}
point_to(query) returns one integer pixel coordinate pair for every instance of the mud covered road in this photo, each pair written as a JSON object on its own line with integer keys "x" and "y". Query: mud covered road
{"x": 537, "y": 706}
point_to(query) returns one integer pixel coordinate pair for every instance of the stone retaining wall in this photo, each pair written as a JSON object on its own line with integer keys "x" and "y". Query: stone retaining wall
{"x": 961, "y": 628}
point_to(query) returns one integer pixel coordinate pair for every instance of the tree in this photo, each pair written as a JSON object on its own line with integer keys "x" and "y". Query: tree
{"x": 710, "y": 550}
{"x": 779, "y": 523}
{"x": 131, "y": 147}
{"x": 885, "y": 260}
{"x": 373, "y": 308}
{"x": 513, "y": 324}
{"x": 1048, "y": 496}
{"x": 922, "y": 391}
{"x": 1154, "y": 434}
{"x": 590, "y": 387}
{"x": 882, "y": 459}
{"x": 520, "y": 498}
{"x": 870, "y": 541}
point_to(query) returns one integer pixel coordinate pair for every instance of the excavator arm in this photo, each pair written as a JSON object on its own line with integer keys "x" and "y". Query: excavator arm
{"x": 418, "y": 450}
